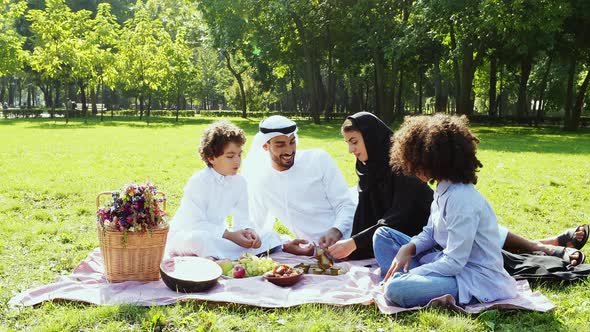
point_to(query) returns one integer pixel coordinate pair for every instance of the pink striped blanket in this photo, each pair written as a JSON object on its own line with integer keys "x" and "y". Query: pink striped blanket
{"x": 360, "y": 285}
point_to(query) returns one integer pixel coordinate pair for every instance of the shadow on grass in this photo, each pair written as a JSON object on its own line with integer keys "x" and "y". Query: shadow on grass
{"x": 250, "y": 125}
{"x": 497, "y": 138}
{"x": 539, "y": 140}
{"x": 77, "y": 123}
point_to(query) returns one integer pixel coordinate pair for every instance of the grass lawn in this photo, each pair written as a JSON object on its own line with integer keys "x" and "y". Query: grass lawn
{"x": 537, "y": 180}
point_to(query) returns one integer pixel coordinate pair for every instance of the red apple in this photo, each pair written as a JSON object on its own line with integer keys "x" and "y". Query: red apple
{"x": 238, "y": 271}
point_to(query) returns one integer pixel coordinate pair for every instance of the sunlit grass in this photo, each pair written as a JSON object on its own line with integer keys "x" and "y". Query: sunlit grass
{"x": 537, "y": 180}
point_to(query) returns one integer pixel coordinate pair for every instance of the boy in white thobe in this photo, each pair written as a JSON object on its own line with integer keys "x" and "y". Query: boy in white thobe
{"x": 210, "y": 196}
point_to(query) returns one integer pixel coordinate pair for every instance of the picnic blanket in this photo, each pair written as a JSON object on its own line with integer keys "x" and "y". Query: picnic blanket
{"x": 360, "y": 285}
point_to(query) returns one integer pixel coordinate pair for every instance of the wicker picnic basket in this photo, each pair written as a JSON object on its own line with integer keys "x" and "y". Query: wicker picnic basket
{"x": 131, "y": 256}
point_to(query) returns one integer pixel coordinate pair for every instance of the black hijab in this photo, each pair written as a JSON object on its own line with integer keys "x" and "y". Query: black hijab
{"x": 386, "y": 197}
{"x": 377, "y": 137}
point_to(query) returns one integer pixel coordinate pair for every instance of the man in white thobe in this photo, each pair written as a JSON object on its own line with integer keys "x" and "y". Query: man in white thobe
{"x": 303, "y": 189}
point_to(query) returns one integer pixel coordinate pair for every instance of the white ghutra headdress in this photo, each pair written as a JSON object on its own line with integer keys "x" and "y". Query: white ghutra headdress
{"x": 257, "y": 158}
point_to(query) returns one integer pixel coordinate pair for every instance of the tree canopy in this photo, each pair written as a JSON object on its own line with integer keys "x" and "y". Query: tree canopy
{"x": 525, "y": 59}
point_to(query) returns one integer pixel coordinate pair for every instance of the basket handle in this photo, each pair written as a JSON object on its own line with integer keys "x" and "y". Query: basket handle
{"x": 104, "y": 193}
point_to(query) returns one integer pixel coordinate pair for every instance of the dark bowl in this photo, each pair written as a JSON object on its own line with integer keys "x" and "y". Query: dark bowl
{"x": 189, "y": 274}
{"x": 283, "y": 281}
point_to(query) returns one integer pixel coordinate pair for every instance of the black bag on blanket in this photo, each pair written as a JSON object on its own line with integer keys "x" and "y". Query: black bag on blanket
{"x": 534, "y": 267}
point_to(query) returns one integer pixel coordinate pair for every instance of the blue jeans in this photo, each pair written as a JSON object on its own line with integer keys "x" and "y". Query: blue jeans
{"x": 406, "y": 289}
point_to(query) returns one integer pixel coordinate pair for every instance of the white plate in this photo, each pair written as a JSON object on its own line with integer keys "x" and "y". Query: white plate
{"x": 191, "y": 268}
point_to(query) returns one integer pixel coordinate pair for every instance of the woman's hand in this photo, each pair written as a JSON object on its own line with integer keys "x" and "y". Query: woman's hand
{"x": 342, "y": 248}
{"x": 401, "y": 260}
{"x": 331, "y": 236}
{"x": 295, "y": 247}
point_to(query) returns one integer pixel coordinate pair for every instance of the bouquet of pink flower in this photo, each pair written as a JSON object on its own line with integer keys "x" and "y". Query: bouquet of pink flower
{"x": 135, "y": 208}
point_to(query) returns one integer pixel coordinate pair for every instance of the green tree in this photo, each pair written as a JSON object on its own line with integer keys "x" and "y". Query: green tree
{"x": 11, "y": 53}
{"x": 103, "y": 37}
{"x": 11, "y": 42}
{"x": 575, "y": 45}
{"x": 60, "y": 50}
{"x": 229, "y": 29}
{"x": 181, "y": 68}
{"x": 142, "y": 59}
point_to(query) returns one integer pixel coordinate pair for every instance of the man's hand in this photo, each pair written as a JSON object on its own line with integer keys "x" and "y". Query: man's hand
{"x": 342, "y": 248}
{"x": 243, "y": 238}
{"x": 252, "y": 235}
{"x": 401, "y": 260}
{"x": 330, "y": 238}
{"x": 298, "y": 247}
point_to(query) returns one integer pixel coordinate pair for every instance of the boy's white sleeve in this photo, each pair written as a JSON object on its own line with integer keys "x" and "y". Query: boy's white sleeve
{"x": 241, "y": 215}
{"x": 191, "y": 216}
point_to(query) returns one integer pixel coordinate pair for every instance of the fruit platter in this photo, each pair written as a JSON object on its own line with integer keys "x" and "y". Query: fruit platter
{"x": 246, "y": 266}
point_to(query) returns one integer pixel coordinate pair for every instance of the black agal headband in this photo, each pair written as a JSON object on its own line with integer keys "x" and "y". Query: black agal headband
{"x": 284, "y": 130}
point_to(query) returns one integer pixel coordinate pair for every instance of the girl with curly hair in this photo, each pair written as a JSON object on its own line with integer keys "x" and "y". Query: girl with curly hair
{"x": 458, "y": 252}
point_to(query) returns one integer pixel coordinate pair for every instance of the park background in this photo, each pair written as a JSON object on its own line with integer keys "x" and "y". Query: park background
{"x": 146, "y": 78}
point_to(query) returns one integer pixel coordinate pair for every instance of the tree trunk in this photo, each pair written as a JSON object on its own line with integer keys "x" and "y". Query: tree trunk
{"x": 331, "y": 85}
{"x": 542, "y": 89}
{"x": 356, "y": 98}
{"x": 313, "y": 79}
{"x": 440, "y": 101}
{"x": 67, "y": 109}
{"x": 11, "y": 88}
{"x": 82, "y": 86}
{"x": 380, "y": 102}
{"x": 399, "y": 108}
{"x": 331, "y": 95}
{"x": 140, "y": 106}
{"x": 242, "y": 96}
{"x": 568, "y": 123}
{"x": 577, "y": 112}
{"x": 102, "y": 92}
{"x": 366, "y": 97}
{"x": 177, "y": 98}
{"x": 464, "y": 105}
{"x": 457, "y": 76}
{"x": 112, "y": 103}
{"x": 522, "y": 104}
{"x": 293, "y": 89}
{"x": 29, "y": 96}
{"x": 20, "y": 92}
{"x": 93, "y": 99}
{"x": 238, "y": 76}
{"x": 149, "y": 108}
{"x": 493, "y": 82}
{"x": 2, "y": 89}
{"x": 46, "y": 89}
{"x": 56, "y": 100}
{"x": 420, "y": 91}
{"x": 393, "y": 85}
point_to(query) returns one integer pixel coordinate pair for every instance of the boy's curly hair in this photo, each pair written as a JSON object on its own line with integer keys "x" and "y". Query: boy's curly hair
{"x": 441, "y": 147}
{"x": 217, "y": 136}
